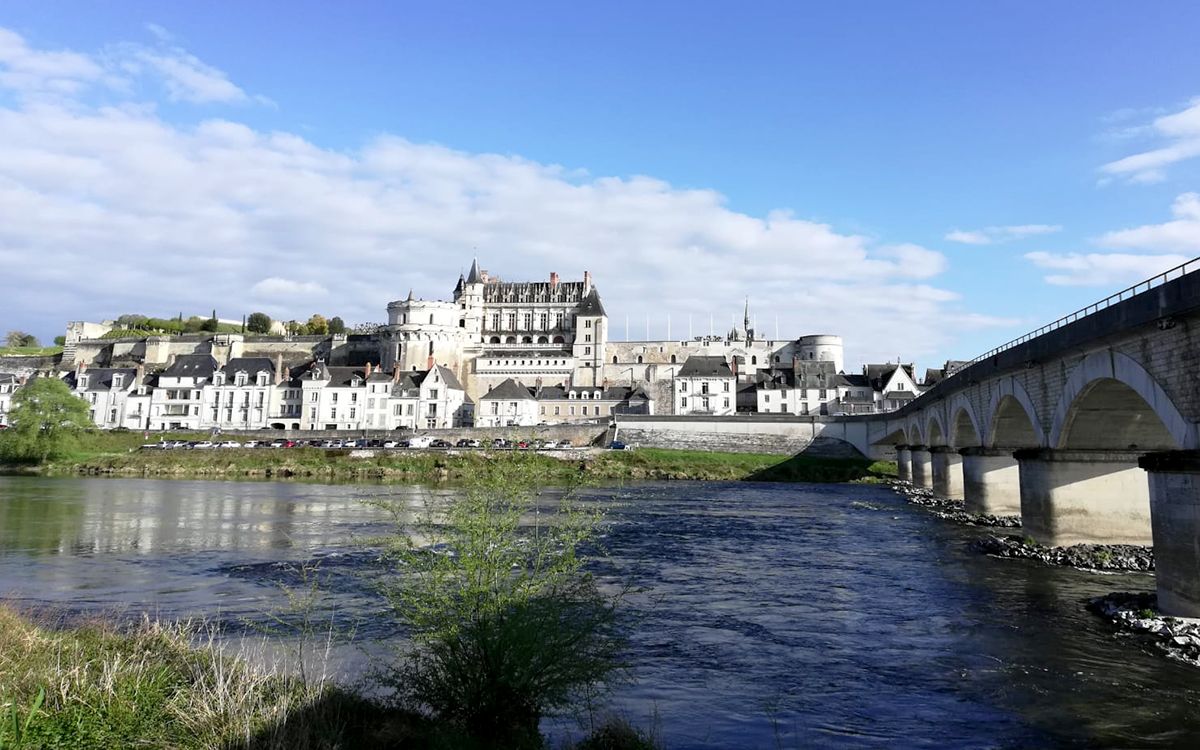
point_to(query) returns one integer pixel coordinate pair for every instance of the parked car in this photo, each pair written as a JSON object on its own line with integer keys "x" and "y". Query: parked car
{"x": 251, "y": 444}
{"x": 203, "y": 445}
{"x": 350, "y": 444}
{"x": 389, "y": 444}
{"x": 420, "y": 441}
{"x": 229, "y": 444}
{"x": 440, "y": 443}
{"x": 468, "y": 443}
{"x": 617, "y": 445}
{"x": 564, "y": 444}
{"x": 501, "y": 443}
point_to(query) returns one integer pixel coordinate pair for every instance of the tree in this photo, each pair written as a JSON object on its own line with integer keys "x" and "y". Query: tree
{"x": 258, "y": 323}
{"x": 20, "y": 338}
{"x": 337, "y": 325}
{"x": 193, "y": 324}
{"x": 60, "y": 340}
{"x": 45, "y": 419}
{"x": 211, "y": 325}
{"x": 317, "y": 325}
{"x": 294, "y": 327}
{"x": 506, "y": 624}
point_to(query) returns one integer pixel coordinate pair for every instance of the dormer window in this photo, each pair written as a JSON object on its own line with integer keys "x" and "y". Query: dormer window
{"x": 596, "y": 395}
{"x": 83, "y": 381}
{"x": 571, "y": 395}
{"x": 239, "y": 379}
{"x": 118, "y": 380}
{"x": 583, "y": 395}
{"x": 218, "y": 378}
{"x": 262, "y": 378}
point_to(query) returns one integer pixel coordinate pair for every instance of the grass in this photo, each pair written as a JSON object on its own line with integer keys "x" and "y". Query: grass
{"x": 116, "y": 453}
{"x": 30, "y": 351}
{"x": 154, "y": 686}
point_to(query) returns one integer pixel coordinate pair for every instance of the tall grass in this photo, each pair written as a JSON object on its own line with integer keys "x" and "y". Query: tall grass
{"x": 162, "y": 685}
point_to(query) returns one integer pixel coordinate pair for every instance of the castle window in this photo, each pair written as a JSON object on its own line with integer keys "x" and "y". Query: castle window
{"x": 673, "y": 359}
{"x": 754, "y": 360}
{"x": 587, "y": 324}
{"x": 495, "y": 321}
{"x": 510, "y": 340}
{"x": 559, "y": 340}
{"x": 527, "y": 321}
{"x": 494, "y": 340}
{"x": 462, "y": 323}
{"x": 639, "y": 359}
{"x": 430, "y": 318}
{"x": 776, "y": 357}
{"x": 543, "y": 340}
{"x": 544, "y": 321}
{"x": 512, "y": 321}
{"x": 615, "y": 360}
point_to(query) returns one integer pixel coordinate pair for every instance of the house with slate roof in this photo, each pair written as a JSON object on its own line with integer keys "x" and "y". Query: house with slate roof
{"x": 509, "y": 404}
{"x": 705, "y": 385}
{"x": 558, "y": 405}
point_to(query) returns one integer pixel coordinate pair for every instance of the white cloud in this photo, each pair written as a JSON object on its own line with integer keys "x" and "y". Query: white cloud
{"x": 990, "y": 235}
{"x": 1180, "y": 235}
{"x": 1102, "y": 269}
{"x": 274, "y": 288}
{"x": 1180, "y": 134}
{"x": 188, "y": 79}
{"x": 109, "y": 208}
{"x": 60, "y": 76}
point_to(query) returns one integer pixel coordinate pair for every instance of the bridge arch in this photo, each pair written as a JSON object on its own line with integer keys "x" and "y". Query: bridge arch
{"x": 934, "y": 430}
{"x": 964, "y": 425}
{"x": 915, "y": 435}
{"x": 1013, "y": 420}
{"x": 1111, "y": 402}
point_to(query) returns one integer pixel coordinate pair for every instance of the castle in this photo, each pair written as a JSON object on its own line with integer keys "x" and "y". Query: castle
{"x": 444, "y": 363}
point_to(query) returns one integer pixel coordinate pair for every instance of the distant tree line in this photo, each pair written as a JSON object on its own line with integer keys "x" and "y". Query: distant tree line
{"x": 258, "y": 322}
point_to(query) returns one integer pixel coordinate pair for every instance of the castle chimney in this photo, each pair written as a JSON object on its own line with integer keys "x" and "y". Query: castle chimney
{"x": 368, "y": 369}
{"x": 139, "y": 373}
{"x": 82, "y": 366}
{"x": 733, "y": 365}
{"x": 278, "y": 369}
{"x": 587, "y": 281}
{"x": 553, "y": 281}
{"x": 396, "y": 373}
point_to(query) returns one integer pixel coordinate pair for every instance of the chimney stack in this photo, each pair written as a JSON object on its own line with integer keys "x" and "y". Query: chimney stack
{"x": 396, "y": 373}
{"x": 553, "y": 281}
{"x": 368, "y": 369}
{"x": 139, "y": 374}
{"x": 587, "y": 281}
{"x": 278, "y": 369}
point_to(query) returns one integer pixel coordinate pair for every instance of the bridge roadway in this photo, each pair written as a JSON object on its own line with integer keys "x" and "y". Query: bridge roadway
{"x": 1087, "y": 428}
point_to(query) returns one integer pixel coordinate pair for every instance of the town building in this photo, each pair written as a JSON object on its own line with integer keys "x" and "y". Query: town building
{"x": 705, "y": 385}
{"x": 9, "y": 384}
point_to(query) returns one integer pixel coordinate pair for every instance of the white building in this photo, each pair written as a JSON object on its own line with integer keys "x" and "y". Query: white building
{"x": 116, "y": 396}
{"x": 178, "y": 399}
{"x": 558, "y": 405}
{"x": 8, "y": 386}
{"x": 509, "y": 404}
{"x": 705, "y": 385}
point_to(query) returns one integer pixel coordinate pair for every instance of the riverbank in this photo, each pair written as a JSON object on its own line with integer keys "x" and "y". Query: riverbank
{"x": 116, "y": 454}
{"x": 157, "y": 685}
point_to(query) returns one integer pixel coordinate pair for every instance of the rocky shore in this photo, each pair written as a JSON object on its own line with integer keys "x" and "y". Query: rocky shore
{"x": 1137, "y": 615}
{"x": 952, "y": 510}
{"x": 1123, "y": 557}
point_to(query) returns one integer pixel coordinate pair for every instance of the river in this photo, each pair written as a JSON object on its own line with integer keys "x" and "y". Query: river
{"x": 773, "y": 615}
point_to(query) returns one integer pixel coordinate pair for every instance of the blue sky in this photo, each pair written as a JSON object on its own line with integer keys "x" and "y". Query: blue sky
{"x": 927, "y": 179}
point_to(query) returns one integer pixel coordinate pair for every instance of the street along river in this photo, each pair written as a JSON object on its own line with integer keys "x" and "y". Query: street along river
{"x": 772, "y": 615}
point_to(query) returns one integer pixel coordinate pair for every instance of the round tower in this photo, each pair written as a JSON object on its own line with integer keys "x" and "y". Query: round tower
{"x": 821, "y": 347}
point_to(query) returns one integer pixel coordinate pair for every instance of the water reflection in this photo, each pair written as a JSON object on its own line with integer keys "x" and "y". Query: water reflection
{"x": 773, "y": 616}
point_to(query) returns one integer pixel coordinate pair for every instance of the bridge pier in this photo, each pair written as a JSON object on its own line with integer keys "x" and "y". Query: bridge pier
{"x": 991, "y": 481}
{"x": 1083, "y": 497}
{"x": 947, "y": 472}
{"x": 1175, "y": 517}
{"x": 922, "y": 466}
{"x": 903, "y": 463}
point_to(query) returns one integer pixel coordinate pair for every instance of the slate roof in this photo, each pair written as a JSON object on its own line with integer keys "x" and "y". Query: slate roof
{"x": 449, "y": 378}
{"x": 878, "y": 375}
{"x": 612, "y": 393}
{"x": 509, "y": 390}
{"x": 249, "y": 365}
{"x": 192, "y": 366}
{"x": 475, "y": 277}
{"x": 854, "y": 381}
{"x": 7, "y": 377}
{"x": 699, "y": 366}
{"x": 101, "y": 378}
{"x": 591, "y": 304}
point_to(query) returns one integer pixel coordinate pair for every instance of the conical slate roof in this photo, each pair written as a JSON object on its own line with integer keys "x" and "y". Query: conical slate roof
{"x": 475, "y": 277}
{"x": 591, "y": 305}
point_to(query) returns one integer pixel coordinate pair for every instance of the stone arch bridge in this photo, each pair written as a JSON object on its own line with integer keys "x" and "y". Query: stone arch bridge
{"x": 1088, "y": 428}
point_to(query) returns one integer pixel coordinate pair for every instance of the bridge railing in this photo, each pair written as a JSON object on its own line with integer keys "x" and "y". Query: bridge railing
{"x": 1138, "y": 288}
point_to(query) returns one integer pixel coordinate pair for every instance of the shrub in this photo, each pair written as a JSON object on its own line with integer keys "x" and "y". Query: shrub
{"x": 506, "y": 624}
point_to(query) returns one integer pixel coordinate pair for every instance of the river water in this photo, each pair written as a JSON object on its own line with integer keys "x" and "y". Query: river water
{"x": 773, "y": 616}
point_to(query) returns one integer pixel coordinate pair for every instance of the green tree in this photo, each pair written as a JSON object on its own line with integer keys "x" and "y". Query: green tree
{"x": 44, "y": 421}
{"x": 20, "y": 338}
{"x": 60, "y": 340}
{"x": 337, "y": 325}
{"x": 258, "y": 323}
{"x": 211, "y": 325}
{"x": 317, "y": 325}
{"x": 193, "y": 324}
{"x": 506, "y": 623}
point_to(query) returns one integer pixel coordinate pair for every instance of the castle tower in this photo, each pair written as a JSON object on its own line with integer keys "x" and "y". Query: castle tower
{"x": 469, "y": 296}
{"x": 591, "y": 336}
